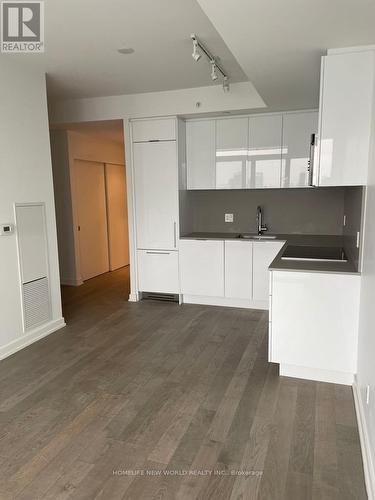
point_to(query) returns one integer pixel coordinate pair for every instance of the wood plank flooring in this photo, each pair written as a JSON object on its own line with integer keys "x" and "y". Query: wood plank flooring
{"x": 157, "y": 401}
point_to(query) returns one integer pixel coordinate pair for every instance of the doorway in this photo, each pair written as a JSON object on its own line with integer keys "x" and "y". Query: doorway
{"x": 100, "y": 192}
{"x": 89, "y": 173}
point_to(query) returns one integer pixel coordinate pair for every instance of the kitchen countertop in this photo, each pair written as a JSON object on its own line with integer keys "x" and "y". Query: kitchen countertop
{"x": 278, "y": 264}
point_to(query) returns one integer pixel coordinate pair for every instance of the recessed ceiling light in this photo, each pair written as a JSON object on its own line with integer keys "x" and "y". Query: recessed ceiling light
{"x": 128, "y": 50}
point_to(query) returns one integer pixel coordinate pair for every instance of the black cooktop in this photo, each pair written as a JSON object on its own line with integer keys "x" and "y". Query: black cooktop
{"x": 315, "y": 253}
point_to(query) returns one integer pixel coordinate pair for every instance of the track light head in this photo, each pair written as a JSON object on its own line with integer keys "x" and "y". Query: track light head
{"x": 213, "y": 71}
{"x": 226, "y": 84}
{"x": 195, "y": 55}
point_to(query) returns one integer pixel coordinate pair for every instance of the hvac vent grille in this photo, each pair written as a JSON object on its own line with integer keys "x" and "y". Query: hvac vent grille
{"x": 36, "y": 303}
{"x": 165, "y": 297}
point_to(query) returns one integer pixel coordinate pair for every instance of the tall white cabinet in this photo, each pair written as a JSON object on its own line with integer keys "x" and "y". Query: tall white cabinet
{"x": 346, "y": 109}
{"x": 155, "y": 172}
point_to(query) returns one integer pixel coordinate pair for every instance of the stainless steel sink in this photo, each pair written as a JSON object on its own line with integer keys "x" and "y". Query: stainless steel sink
{"x": 245, "y": 236}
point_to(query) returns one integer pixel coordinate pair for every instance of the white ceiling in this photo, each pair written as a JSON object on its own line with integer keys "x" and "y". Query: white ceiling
{"x": 279, "y": 42}
{"x": 277, "y": 45}
{"x": 82, "y": 38}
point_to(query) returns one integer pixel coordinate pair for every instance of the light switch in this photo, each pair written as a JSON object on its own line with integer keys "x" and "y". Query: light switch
{"x": 6, "y": 229}
{"x": 228, "y": 217}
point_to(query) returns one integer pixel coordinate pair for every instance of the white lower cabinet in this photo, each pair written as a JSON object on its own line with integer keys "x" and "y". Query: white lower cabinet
{"x": 314, "y": 324}
{"x": 202, "y": 267}
{"x": 233, "y": 272}
{"x": 238, "y": 269}
{"x": 158, "y": 271}
{"x": 263, "y": 254}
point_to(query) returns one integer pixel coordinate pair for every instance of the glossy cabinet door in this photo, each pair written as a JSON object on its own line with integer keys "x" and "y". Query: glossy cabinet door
{"x": 231, "y": 153}
{"x": 296, "y": 149}
{"x": 200, "y": 154}
{"x": 202, "y": 267}
{"x": 160, "y": 129}
{"x": 263, "y": 254}
{"x": 156, "y": 195}
{"x": 346, "y": 107}
{"x": 158, "y": 271}
{"x": 314, "y": 320}
{"x": 238, "y": 269}
{"x": 264, "y": 156}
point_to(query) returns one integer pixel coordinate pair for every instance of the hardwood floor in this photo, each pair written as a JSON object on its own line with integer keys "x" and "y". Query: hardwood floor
{"x": 156, "y": 401}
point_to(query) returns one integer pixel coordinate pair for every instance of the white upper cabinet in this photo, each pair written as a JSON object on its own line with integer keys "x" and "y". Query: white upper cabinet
{"x": 296, "y": 150}
{"x": 231, "y": 152}
{"x": 156, "y": 194}
{"x": 161, "y": 129}
{"x": 200, "y": 154}
{"x": 264, "y": 160}
{"x": 202, "y": 267}
{"x": 346, "y": 107}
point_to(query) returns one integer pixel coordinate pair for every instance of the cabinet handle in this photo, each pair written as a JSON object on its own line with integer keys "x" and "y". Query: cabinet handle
{"x": 159, "y": 253}
{"x": 310, "y": 163}
{"x": 175, "y": 234}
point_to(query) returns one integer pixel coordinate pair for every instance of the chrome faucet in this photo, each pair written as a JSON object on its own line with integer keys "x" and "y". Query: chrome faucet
{"x": 261, "y": 227}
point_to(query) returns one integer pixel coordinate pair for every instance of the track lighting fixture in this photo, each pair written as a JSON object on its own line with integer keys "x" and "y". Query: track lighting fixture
{"x": 195, "y": 55}
{"x": 226, "y": 84}
{"x": 198, "y": 50}
{"x": 213, "y": 71}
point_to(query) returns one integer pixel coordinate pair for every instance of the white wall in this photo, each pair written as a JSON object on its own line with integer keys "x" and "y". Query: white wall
{"x": 68, "y": 146}
{"x": 242, "y": 96}
{"x": 366, "y": 343}
{"x": 25, "y": 176}
{"x": 211, "y": 99}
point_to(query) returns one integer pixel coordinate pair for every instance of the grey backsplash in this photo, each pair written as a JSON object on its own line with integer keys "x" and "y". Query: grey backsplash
{"x": 286, "y": 211}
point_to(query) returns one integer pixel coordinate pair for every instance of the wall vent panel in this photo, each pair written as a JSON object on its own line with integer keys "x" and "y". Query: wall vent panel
{"x": 36, "y": 303}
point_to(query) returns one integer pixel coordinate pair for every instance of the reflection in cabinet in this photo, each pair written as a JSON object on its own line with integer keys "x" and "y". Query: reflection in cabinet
{"x": 238, "y": 269}
{"x": 200, "y": 154}
{"x": 202, "y": 267}
{"x": 297, "y": 130}
{"x": 263, "y": 255}
{"x": 264, "y": 162}
{"x": 231, "y": 152}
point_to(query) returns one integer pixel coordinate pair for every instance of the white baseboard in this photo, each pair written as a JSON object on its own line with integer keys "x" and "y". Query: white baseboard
{"x": 225, "y": 302}
{"x": 368, "y": 464}
{"x": 71, "y": 282}
{"x": 28, "y": 338}
{"x": 316, "y": 374}
{"x": 133, "y": 297}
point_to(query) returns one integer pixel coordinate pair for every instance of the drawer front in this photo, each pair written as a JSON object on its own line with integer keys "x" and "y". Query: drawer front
{"x": 158, "y": 271}
{"x": 154, "y": 130}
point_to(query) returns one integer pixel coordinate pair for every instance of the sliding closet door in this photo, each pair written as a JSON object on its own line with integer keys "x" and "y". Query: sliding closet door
{"x": 117, "y": 212}
{"x": 92, "y": 218}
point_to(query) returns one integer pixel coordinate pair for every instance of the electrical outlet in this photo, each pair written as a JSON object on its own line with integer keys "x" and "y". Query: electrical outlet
{"x": 368, "y": 395}
{"x": 228, "y": 217}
